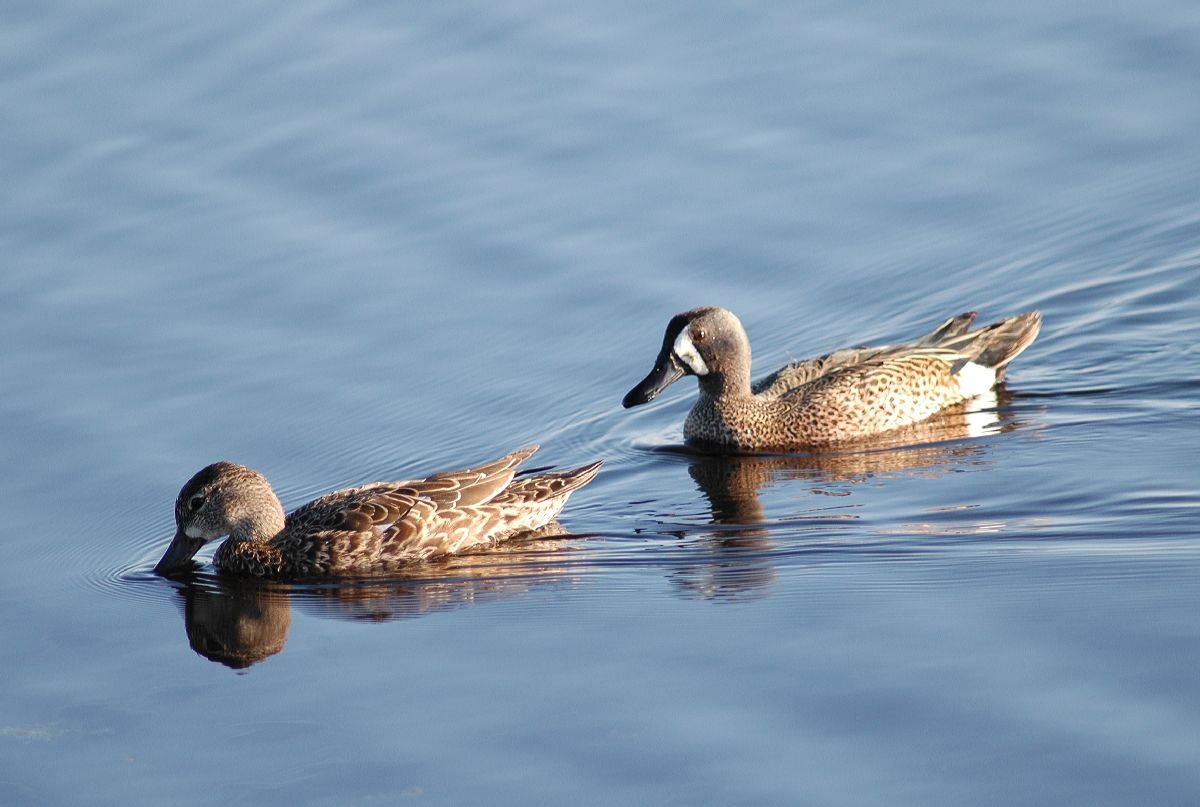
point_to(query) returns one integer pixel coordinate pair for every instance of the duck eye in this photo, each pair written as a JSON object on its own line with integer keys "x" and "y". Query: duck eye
{"x": 698, "y": 335}
{"x": 196, "y": 502}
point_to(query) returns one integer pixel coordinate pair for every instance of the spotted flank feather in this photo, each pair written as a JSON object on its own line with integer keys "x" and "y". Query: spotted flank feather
{"x": 375, "y": 527}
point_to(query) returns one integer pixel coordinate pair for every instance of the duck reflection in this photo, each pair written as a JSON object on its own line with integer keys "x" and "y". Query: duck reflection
{"x": 239, "y": 622}
{"x": 736, "y": 559}
{"x": 235, "y": 622}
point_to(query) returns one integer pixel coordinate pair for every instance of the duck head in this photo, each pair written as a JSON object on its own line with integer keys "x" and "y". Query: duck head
{"x": 708, "y": 343}
{"x": 222, "y": 499}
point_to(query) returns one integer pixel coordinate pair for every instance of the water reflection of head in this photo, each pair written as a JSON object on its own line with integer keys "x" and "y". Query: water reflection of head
{"x": 236, "y": 622}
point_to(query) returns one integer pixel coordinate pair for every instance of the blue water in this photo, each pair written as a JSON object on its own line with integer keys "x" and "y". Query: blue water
{"x": 341, "y": 242}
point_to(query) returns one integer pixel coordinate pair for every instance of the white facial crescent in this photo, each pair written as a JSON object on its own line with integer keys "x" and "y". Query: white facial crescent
{"x": 687, "y": 353}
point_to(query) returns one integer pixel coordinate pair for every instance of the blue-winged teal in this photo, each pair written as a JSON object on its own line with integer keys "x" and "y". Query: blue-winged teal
{"x": 842, "y": 396}
{"x": 365, "y": 529}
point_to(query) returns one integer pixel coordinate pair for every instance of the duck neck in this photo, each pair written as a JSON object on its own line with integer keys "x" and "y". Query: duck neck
{"x": 733, "y": 382}
{"x": 259, "y": 523}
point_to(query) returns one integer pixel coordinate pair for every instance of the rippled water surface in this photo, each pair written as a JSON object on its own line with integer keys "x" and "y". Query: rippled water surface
{"x": 341, "y": 242}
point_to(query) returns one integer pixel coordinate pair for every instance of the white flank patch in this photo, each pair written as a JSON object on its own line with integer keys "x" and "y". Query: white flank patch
{"x": 975, "y": 379}
{"x": 688, "y": 354}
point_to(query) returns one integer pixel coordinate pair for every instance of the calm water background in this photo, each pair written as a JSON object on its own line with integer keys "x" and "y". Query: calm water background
{"x": 341, "y": 242}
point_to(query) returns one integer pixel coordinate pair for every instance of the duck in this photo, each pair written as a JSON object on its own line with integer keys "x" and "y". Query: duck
{"x": 849, "y": 395}
{"x": 371, "y": 528}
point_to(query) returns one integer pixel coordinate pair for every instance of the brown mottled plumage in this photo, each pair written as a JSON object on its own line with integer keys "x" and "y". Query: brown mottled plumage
{"x": 371, "y": 528}
{"x": 842, "y": 396}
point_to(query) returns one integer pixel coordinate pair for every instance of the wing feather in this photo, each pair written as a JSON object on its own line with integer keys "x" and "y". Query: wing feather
{"x": 471, "y": 487}
{"x": 390, "y": 522}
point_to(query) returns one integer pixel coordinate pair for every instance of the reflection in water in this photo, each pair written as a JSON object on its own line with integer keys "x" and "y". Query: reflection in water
{"x": 737, "y": 558}
{"x": 235, "y": 622}
{"x": 239, "y": 622}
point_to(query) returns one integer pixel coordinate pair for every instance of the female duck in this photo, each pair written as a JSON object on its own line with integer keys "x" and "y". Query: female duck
{"x": 846, "y": 395}
{"x": 371, "y": 528}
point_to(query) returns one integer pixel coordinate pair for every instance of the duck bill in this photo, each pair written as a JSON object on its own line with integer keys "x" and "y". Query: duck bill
{"x": 665, "y": 373}
{"x": 181, "y": 550}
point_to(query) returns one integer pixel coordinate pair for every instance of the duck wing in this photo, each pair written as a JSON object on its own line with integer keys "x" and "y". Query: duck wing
{"x": 471, "y": 487}
{"x": 790, "y": 377}
{"x": 386, "y": 523}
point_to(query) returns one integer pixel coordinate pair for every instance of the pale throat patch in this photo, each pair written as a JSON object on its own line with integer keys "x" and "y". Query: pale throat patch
{"x": 687, "y": 353}
{"x": 194, "y": 531}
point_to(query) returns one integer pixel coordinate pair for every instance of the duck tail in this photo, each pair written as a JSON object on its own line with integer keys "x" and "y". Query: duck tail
{"x": 552, "y": 485}
{"x": 997, "y": 344}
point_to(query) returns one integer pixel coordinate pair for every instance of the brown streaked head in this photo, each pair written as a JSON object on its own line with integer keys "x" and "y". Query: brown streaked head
{"x": 221, "y": 499}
